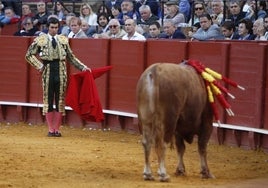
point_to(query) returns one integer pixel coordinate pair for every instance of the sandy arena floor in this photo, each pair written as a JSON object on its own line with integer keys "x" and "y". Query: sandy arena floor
{"x": 94, "y": 158}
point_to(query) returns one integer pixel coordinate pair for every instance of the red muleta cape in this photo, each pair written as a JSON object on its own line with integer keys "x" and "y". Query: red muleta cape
{"x": 82, "y": 95}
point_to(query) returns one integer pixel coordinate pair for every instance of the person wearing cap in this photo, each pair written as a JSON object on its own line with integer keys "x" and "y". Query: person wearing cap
{"x": 173, "y": 13}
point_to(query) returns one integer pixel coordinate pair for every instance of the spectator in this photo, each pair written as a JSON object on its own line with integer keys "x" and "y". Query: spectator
{"x": 185, "y": 9}
{"x": 132, "y": 34}
{"x": 146, "y": 18}
{"x": 53, "y": 50}
{"x": 245, "y": 30}
{"x": 60, "y": 11}
{"x": 193, "y": 30}
{"x": 155, "y": 31}
{"x": 217, "y": 11}
{"x": 199, "y": 9}
{"x": 26, "y": 12}
{"x": 162, "y": 12}
{"x": 261, "y": 9}
{"x": 88, "y": 30}
{"x": 265, "y": 24}
{"x": 14, "y": 4}
{"x": 114, "y": 31}
{"x": 28, "y": 28}
{"x": 66, "y": 28}
{"x": 102, "y": 26}
{"x": 128, "y": 11}
{"x": 172, "y": 31}
{"x": 1, "y": 8}
{"x": 9, "y": 16}
{"x": 250, "y": 13}
{"x": 173, "y": 13}
{"x": 75, "y": 26}
{"x": 258, "y": 29}
{"x": 88, "y": 14}
{"x": 153, "y": 4}
{"x": 208, "y": 30}
{"x": 116, "y": 10}
{"x": 103, "y": 8}
{"x": 208, "y": 6}
{"x": 111, "y": 3}
{"x": 228, "y": 30}
{"x": 236, "y": 13}
{"x": 41, "y": 17}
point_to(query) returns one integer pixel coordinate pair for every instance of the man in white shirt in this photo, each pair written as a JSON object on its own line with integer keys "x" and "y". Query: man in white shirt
{"x": 132, "y": 34}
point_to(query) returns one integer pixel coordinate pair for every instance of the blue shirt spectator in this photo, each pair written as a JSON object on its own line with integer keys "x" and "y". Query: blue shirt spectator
{"x": 208, "y": 30}
{"x": 9, "y": 16}
{"x": 185, "y": 8}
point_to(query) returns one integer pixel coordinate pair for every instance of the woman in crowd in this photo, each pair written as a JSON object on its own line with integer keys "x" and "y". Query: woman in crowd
{"x": 88, "y": 14}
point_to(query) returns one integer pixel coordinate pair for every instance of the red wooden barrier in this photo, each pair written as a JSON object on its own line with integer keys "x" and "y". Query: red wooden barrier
{"x": 128, "y": 61}
{"x": 247, "y": 69}
{"x": 34, "y": 94}
{"x": 13, "y": 77}
{"x": 10, "y": 29}
{"x": 247, "y": 66}
{"x": 264, "y": 115}
{"x": 173, "y": 51}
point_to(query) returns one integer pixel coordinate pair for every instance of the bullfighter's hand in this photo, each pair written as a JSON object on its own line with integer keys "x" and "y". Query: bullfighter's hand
{"x": 86, "y": 69}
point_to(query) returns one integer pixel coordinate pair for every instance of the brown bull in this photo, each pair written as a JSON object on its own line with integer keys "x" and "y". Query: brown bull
{"x": 172, "y": 101}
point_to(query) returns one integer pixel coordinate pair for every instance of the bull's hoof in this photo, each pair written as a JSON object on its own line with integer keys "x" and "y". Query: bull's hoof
{"x": 180, "y": 172}
{"x": 164, "y": 178}
{"x": 148, "y": 177}
{"x": 206, "y": 175}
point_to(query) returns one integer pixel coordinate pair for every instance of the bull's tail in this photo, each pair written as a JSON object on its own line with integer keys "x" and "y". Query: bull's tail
{"x": 152, "y": 91}
{"x": 153, "y": 100}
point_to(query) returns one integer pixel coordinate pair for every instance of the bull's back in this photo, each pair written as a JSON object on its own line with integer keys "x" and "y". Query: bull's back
{"x": 167, "y": 83}
{"x": 170, "y": 92}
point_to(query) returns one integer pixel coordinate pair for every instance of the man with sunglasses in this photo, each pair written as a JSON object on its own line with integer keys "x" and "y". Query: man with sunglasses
{"x": 115, "y": 31}
{"x": 28, "y": 28}
{"x": 53, "y": 50}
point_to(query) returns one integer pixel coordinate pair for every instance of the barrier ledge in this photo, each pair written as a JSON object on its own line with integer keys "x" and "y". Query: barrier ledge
{"x": 133, "y": 115}
{"x": 241, "y": 128}
{"x": 38, "y": 105}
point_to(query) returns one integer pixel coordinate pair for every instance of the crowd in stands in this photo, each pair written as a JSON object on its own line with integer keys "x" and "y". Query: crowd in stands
{"x": 145, "y": 19}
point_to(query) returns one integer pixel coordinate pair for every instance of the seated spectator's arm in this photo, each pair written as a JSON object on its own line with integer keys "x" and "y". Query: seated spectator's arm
{"x": 6, "y": 20}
